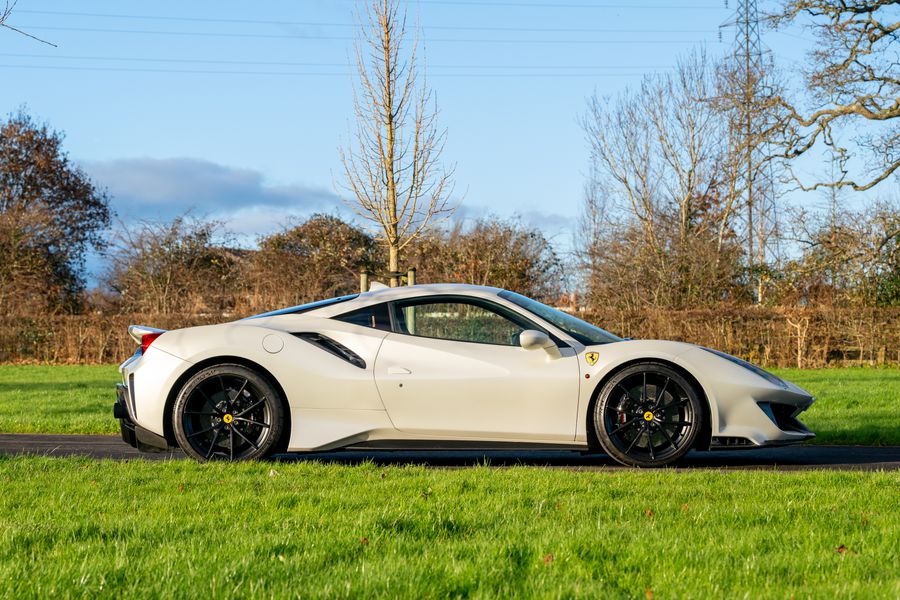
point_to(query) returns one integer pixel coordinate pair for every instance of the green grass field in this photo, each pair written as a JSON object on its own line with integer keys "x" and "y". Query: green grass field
{"x": 855, "y": 405}
{"x": 86, "y": 528}
{"x": 58, "y": 398}
{"x": 83, "y": 528}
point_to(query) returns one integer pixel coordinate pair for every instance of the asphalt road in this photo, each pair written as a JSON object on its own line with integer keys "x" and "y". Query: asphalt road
{"x": 864, "y": 458}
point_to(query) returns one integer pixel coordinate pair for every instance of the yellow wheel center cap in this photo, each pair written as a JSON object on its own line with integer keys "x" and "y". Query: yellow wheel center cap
{"x": 648, "y": 416}
{"x": 227, "y": 419}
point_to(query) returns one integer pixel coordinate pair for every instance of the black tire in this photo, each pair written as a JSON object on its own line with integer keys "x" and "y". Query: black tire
{"x": 227, "y": 412}
{"x": 648, "y": 415}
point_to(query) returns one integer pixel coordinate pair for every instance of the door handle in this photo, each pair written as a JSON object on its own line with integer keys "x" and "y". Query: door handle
{"x": 398, "y": 371}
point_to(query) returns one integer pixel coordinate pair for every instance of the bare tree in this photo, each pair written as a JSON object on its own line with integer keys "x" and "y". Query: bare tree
{"x": 661, "y": 153}
{"x": 854, "y": 84}
{"x": 321, "y": 256}
{"x": 181, "y": 266}
{"x": 392, "y": 167}
{"x": 747, "y": 97}
{"x": 491, "y": 251}
{"x": 849, "y": 258}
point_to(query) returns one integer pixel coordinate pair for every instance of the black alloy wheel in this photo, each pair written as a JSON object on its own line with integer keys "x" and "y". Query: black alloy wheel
{"x": 648, "y": 415}
{"x": 227, "y": 412}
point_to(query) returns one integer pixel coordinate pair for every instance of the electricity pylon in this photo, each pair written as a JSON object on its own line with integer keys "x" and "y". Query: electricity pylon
{"x": 750, "y": 75}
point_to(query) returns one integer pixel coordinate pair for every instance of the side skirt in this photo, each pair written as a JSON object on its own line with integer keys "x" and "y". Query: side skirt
{"x": 461, "y": 445}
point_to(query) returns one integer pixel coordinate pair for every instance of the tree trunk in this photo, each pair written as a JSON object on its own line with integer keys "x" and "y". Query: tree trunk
{"x": 394, "y": 264}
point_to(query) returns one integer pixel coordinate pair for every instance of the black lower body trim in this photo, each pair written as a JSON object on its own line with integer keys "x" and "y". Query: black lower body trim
{"x": 467, "y": 445}
{"x": 132, "y": 434}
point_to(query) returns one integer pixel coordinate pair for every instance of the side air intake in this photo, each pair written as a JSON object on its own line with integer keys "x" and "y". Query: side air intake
{"x": 332, "y": 347}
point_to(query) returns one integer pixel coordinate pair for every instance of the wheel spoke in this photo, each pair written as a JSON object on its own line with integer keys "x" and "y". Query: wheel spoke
{"x": 634, "y": 441}
{"x": 224, "y": 390}
{"x": 644, "y": 389}
{"x": 672, "y": 405}
{"x": 252, "y": 422}
{"x": 650, "y": 443}
{"x": 240, "y": 391}
{"x": 243, "y": 437}
{"x": 251, "y": 407}
{"x": 196, "y": 433}
{"x": 212, "y": 446}
{"x": 668, "y": 437}
{"x": 205, "y": 414}
{"x": 199, "y": 388}
{"x": 625, "y": 425}
{"x": 659, "y": 396}
{"x": 231, "y": 442}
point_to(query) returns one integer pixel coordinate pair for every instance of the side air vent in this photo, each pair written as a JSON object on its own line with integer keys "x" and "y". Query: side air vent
{"x": 332, "y": 347}
{"x": 721, "y": 442}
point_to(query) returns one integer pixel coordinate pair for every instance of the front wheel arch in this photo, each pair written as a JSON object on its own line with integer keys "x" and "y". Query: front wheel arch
{"x": 703, "y": 438}
{"x": 168, "y": 429}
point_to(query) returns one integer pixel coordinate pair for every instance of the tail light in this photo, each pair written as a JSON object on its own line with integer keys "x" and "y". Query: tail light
{"x": 148, "y": 339}
{"x": 144, "y": 335}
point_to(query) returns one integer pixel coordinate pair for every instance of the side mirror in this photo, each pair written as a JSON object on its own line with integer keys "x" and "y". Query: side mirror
{"x": 531, "y": 339}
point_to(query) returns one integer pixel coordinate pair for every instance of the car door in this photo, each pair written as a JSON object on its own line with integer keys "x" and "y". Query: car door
{"x": 453, "y": 367}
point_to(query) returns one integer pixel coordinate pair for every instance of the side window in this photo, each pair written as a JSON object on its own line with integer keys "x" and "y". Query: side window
{"x": 457, "y": 321}
{"x": 375, "y": 316}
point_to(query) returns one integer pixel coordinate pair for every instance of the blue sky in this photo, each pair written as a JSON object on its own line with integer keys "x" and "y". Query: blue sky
{"x": 237, "y": 109}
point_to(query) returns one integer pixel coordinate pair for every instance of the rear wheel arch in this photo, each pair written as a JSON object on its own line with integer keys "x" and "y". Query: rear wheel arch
{"x": 168, "y": 429}
{"x": 703, "y": 439}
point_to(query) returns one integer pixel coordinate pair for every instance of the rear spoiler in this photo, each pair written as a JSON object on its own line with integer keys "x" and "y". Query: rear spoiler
{"x": 137, "y": 332}
{"x": 144, "y": 335}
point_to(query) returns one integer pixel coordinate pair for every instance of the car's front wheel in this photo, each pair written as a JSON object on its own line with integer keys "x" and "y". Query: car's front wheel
{"x": 648, "y": 415}
{"x": 227, "y": 412}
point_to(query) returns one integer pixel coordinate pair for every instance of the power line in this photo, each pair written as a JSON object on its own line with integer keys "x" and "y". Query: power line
{"x": 567, "y": 5}
{"x": 352, "y": 25}
{"x": 349, "y": 38}
{"x": 313, "y": 64}
{"x": 308, "y": 73}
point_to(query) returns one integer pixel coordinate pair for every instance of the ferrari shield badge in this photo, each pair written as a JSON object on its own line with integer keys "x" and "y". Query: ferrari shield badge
{"x": 591, "y": 358}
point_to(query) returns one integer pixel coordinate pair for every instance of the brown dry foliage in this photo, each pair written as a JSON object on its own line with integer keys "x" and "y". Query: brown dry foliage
{"x": 491, "y": 251}
{"x": 807, "y": 338}
{"x": 319, "y": 258}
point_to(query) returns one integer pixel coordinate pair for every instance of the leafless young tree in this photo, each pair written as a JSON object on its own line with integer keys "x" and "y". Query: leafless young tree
{"x": 855, "y": 85}
{"x": 392, "y": 167}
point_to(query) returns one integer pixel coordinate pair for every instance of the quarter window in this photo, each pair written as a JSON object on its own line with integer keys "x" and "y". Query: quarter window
{"x": 375, "y": 317}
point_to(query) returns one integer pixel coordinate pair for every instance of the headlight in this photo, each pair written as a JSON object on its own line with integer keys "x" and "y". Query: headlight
{"x": 773, "y": 379}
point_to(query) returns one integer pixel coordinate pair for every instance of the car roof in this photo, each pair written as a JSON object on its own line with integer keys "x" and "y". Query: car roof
{"x": 388, "y": 294}
{"x": 336, "y": 306}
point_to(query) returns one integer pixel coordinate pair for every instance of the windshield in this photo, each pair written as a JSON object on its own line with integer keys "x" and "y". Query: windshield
{"x": 582, "y": 331}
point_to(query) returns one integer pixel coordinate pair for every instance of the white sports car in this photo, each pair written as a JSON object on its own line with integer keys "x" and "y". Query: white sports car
{"x": 442, "y": 366}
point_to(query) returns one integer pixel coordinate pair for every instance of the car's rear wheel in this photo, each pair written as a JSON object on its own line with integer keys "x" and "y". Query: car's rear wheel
{"x": 227, "y": 412}
{"x": 648, "y": 415}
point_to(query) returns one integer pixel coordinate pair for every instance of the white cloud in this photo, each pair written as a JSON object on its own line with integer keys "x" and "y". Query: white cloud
{"x": 160, "y": 189}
